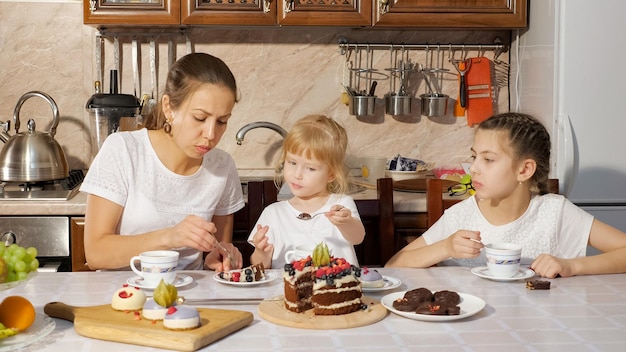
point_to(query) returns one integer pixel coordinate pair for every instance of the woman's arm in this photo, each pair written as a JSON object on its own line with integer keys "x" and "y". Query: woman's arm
{"x": 216, "y": 260}
{"x": 105, "y": 248}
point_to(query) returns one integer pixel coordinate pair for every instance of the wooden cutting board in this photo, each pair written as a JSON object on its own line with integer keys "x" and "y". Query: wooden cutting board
{"x": 104, "y": 323}
{"x": 417, "y": 185}
{"x": 275, "y": 312}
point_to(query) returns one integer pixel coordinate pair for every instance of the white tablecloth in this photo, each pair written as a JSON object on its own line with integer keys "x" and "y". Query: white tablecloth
{"x": 586, "y": 313}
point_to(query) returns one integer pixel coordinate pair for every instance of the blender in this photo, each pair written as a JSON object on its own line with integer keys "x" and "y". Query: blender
{"x": 112, "y": 112}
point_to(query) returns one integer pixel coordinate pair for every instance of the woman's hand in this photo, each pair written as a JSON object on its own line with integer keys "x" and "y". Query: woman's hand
{"x": 194, "y": 232}
{"x": 549, "y": 266}
{"x": 464, "y": 244}
{"x": 218, "y": 260}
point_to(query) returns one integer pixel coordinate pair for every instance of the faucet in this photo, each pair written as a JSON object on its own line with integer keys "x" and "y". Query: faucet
{"x": 272, "y": 126}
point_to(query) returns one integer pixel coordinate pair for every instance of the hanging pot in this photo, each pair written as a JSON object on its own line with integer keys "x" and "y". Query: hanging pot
{"x": 32, "y": 156}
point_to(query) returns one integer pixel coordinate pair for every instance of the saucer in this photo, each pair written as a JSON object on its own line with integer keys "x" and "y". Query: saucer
{"x": 390, "y": 283}
{"x": 483, "y": 271}
{"x": 180, "y": 281}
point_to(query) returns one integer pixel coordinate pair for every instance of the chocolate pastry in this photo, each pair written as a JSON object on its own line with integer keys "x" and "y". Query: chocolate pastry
{"x": 405, "y": 305}
{"x": 538, "y": 285}
{"x": 419, "y": 295}
{"x": 438, "y": 308}
{"x": 448, "y": 296}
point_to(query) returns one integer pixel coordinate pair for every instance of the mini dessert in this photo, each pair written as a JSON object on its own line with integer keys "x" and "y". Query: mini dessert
{"x": 419, "y": 295}
{"x": 538, "y": 285}
{"x": 249, "y": 274}
{"x": 447, "y": 296}
{"x": 437, "y": 308}
{"x": 181, "y": 318}
{"x": 153, "y": 311}
{"x": 405, "y": 305}
{"x": 128, "y": 298}
{"x": 423, "y": 301}
{"x": 371, "y": 278}
{"x": 328, "y": 285}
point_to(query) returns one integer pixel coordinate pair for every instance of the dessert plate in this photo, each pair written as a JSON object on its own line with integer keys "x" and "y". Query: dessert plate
{"x": 42, "y": 327}
{"x": 390, "y": 283}
{"x": 181, "y": 280}
{"x": 483, "y": 271}
{"x": 469, "y": 305}
{"x": 269, "y": 276}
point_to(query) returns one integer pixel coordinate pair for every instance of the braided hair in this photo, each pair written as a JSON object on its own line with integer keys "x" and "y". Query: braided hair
{"x": 528, "y": 139}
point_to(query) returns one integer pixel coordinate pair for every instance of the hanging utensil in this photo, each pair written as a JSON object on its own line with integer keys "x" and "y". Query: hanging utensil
{"x": 152, "y": 102}
{"x": 136, "y": 74}
{"x": 117, "y": 63}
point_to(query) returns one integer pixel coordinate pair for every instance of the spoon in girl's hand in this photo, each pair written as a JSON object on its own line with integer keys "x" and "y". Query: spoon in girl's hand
{"x": 307, "y": 216}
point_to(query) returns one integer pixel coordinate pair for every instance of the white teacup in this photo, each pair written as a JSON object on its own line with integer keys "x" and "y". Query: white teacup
{"x": 156, "y": 265}
{"x": 503, "y": 259}
{"x": 299, "y": 252}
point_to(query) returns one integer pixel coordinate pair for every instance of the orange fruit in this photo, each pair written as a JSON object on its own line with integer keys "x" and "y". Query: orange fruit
{"x": 17, "y": 312}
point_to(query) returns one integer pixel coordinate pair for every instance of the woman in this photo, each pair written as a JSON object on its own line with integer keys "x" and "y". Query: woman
{"x": 166, "y": 186}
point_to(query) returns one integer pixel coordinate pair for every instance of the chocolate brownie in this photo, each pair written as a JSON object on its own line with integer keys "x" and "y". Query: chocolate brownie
{"x": 419, "y": 295}
{"x": 538, "y": 285}
{"x": 405, "y": 305}
{"x": 448, "y": 296}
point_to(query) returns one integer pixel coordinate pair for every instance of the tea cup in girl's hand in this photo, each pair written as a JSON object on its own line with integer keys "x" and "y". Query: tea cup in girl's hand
{"x": 503, "y": 259}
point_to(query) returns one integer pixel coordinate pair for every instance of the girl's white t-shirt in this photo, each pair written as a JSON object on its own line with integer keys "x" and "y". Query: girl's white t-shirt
{"x": 127, "y": 171}
{"x": 551, "y": 225}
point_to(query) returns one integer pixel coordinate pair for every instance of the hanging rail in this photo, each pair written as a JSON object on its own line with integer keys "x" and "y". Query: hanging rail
{"x": 499, "y": 48}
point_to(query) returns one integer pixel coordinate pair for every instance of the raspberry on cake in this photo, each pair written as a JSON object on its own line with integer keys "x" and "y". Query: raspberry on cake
{"x": 128, "y": 298}
{"x": 328, "y": 285}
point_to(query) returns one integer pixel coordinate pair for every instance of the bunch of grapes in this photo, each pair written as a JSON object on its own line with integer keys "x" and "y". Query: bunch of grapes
{"x": 16, "y": 262}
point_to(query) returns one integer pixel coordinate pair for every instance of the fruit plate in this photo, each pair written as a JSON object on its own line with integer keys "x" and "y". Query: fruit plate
{"x": 469, "y": 305}
{"x": 9, "y": 285}
{"x": 269, "y": 276}
{"x": 42, "y": 327}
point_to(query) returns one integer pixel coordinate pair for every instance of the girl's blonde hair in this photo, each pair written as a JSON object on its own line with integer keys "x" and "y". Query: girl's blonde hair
{"x": 319, "y": 137}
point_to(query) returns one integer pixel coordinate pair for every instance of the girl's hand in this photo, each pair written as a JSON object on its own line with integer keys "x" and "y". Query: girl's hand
{"x": 338, "y": 215}
{"x": 263, "y": 249}
{"x": 549, "y": 266}
{"x": 218, "y": 261}
{"x": 464, "y": 244}
{"x": 194, "y": 232}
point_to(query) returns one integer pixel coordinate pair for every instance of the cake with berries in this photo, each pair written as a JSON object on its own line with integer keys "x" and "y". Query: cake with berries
{"x": 128, "y": 298}
{"x": 181, "y": 318}
{"x": 328, "y": 285}
{"x": 251, "y": 273}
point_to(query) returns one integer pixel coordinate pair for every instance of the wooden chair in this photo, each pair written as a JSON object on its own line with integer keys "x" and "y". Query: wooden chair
{"x": 437, "y": 202}
{"x": 377, "y": 215}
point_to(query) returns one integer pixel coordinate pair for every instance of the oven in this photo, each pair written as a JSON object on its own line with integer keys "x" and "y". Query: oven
{"x": 49, "y": 233}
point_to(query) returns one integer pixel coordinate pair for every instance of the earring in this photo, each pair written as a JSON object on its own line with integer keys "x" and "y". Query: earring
{"x": 167, "y": 127}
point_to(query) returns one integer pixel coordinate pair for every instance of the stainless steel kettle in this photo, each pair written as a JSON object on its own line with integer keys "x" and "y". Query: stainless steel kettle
{"x": 32, "y": 156}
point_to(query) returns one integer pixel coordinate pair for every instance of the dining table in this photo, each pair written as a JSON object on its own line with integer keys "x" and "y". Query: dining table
{"x": 581, "y": 313}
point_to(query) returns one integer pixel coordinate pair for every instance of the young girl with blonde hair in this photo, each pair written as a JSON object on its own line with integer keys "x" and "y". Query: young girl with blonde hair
{"x": 312, "y": 166}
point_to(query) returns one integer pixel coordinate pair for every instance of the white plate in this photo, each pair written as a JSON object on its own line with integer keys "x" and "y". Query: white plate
{"x": 469, "y": 305}
{"x": 181, "y": 280}
{"x": 483, "y": 271}
{"x": 269, "y": 276}
{"x": 390, "y": 283}
{"x": 42, "y": 326}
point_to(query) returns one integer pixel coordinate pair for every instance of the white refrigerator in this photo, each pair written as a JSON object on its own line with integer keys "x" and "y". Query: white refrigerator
{"x": 569, "y": 68}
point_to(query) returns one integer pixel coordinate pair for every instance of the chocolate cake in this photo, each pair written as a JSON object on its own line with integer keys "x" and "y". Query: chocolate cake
{"x": 538, "y": 285}
{"x": 423, "y": 301}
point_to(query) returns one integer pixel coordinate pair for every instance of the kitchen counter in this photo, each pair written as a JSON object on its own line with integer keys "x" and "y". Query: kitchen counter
{"x": 578, "y": 313}
{"x": 403, "y": 202}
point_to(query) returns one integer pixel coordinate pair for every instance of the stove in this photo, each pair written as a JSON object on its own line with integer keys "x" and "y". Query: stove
{"x": 57, "y": 190}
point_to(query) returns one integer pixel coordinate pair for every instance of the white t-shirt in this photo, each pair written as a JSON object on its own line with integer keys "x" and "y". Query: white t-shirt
{"x": 286, "y": 231}
{"x": 127, "y": 171}
{"x": 551, "y": 225}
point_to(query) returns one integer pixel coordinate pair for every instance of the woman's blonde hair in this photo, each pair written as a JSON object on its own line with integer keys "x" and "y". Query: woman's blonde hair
{"x": 321, "y": 138}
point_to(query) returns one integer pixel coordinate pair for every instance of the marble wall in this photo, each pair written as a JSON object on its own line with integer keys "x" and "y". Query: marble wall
{"x": 283, "y": 74}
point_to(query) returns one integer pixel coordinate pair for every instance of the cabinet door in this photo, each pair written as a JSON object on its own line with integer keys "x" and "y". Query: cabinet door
{"x": 131, "y": 12}
{"x": 483, "y": 14}
{"x": 346, "y": 13}
{"x": 77, "y": 243}
{"x": 227, "y": 12}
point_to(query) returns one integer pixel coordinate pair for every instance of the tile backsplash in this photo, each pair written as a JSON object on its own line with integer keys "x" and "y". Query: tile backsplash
{"x": 282, "y": 74}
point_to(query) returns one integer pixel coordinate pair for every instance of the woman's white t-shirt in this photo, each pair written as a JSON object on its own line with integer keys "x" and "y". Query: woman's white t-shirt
{"x": 128, "y": 172}
{"x": 551, "y": 225}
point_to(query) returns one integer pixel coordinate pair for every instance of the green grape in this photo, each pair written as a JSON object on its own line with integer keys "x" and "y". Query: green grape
{"x": 11, "y": 276}
{"x": 27, "y": 259}
{"x": 22, "y": 275}
{"x": 34, "y": 264}
{"x": 20, "y": 266}
{"x": 19, "y": 253}
{"x": 32, "y": 251}
{"x": 12, "y": 247}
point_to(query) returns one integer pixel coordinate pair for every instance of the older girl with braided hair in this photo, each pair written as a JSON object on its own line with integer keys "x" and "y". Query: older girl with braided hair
{"x": 511, "y": 153}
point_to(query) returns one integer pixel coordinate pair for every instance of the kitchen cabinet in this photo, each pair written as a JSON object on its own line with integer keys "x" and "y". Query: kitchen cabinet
{"x": 77, "y": 244}
{"x": 341, "y": 13}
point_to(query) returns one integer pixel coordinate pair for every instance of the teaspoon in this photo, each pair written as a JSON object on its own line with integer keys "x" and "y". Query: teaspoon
{"x": 307, "y": 216}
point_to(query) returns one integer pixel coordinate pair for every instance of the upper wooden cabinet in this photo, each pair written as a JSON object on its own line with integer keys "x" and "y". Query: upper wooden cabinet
{"x": 480, "y": 14}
